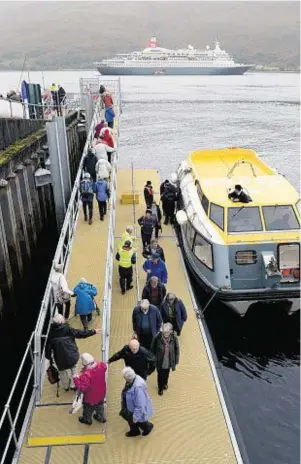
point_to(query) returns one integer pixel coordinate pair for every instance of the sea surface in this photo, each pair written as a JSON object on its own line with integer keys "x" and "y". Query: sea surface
{"x": 163, "y": 119}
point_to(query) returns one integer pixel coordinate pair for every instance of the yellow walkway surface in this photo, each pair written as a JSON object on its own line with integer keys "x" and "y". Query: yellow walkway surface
{"x": 189, "y": 425}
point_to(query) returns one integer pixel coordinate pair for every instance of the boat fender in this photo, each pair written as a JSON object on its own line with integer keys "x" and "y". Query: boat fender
{"x": 182, "y": 218}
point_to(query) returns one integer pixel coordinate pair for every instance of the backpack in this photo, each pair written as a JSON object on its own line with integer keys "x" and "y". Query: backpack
{"x": 86, "y": 189}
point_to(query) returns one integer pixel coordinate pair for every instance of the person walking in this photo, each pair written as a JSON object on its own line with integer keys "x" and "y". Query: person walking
{"x": 61, "y": 97}
{"x": 92, "y": 383}
{"x": 109, "y": 116}
{"x": 103, "y": 169}
{"x": 153, "y": 248}
{"x": 84, "y": 306}
{"x": 102, "y": 193}
{"x": 107, "y": 99}
{"x": 136, "y": 404}
{"x": 61, "y": 348}
{"x": 100, "y": 150}
{"x": 62, "y": 293}
{"x": 154, "y": 291}
{"x": 89, "y": 163}
{"x": 87, "y": 194}
{"x": 126, "y": 257}
{"x": 55, "y": 97}
{"x": 168, "y": 198}
{"x": 107, "y": 139}
{"x": 147, "y": 225}
{"x": 173, "y": 310}
{"x": 165, "y": 347}
{"x": 128, "y": 235}
{"x": 98, "y": 128}
{"x": 155, "y": 267}
{"x": 147, "y": 321}
{"x": 141, "y": 360}
{"x": 148, "y": 194}
{"x": 157, "y": 215}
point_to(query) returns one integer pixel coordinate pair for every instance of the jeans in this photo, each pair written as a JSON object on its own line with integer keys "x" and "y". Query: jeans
{"x": 88, "y": 205}
{"x": 66, "y": 380}
{"x": 60, "y": 308}
{"x": 86, "y": 318}
{"x": 162, "y": 378}
{"x": 102, "y": 206}
{"x": 98, "y": 409}
{"x": 125, "y": 277}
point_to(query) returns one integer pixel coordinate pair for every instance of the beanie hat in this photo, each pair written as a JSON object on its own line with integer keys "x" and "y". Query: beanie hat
{"x": 127, "y": 244}
{"x": 86, "y": 359}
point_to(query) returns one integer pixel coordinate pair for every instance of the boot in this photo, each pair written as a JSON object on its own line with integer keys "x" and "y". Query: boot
{"x": 82, "y": 420}
{"x": 147, "y": 432}
{"x": 133, "y": 433}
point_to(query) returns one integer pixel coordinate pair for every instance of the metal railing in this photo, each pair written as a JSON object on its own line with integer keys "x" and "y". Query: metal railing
{"x": 135, "y": 233}
{"x": 35, "y": 351}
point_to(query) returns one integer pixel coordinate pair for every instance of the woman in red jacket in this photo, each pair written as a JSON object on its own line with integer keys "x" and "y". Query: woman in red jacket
{"x": 108, "y": 140}
{"x": 92, "y": 383}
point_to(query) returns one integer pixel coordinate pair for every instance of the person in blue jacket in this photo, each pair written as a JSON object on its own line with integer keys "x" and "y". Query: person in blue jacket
{"x": 155, "y": 267}
{"x": 109, "y": 116}
{"x": 172, "y": 310}
{"x": 102, "y": 193}
{"x": 147, "y": 322}
{"x": 85, "y": 305}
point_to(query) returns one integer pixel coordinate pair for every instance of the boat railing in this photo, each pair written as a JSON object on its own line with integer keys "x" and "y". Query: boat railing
{"x": 23, "y": 398}
{"x": 136, "y": 267}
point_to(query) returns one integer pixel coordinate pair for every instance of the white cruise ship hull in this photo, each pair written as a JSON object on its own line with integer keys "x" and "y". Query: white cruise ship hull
{"x": 171, "y": 71}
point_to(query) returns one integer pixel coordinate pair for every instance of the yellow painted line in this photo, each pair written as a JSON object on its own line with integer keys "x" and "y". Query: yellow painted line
{"x": 66, "y": 440}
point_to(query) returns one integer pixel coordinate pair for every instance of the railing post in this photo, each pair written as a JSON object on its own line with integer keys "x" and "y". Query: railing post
{"x": 12, "y": 427}
{"x": 37, "y": 366}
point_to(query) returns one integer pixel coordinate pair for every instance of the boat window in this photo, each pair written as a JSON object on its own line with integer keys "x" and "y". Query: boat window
{"x": 205, "y": 204}
{"x": 298, "y": 206}
{"x": 203, "y": 251}
{"x": 217, "y": 215}
{"x": 246, "y": 257}
{"x": 190, "y": 233}
{"x": 244, "y": 219}
{"x": 280, "y": 218}
{"x": 289, "y": 262}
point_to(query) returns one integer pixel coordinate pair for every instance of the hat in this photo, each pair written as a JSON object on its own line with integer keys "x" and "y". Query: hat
{"x": 127, "y": 244}
{"x": 148, "y": 182}
{"x": 155, "y": 256}
{"x": 86, "y": 359}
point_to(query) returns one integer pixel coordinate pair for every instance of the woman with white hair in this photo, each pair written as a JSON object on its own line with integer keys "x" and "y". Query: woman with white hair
{"x": 61, "y": 292}
{"x": 62, "y": 349}
{"x": 165, "y": 347}
{"x": 136, "y": 404}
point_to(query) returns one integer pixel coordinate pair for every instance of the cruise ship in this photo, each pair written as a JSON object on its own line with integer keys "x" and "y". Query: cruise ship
{"x": 155, "y": 60}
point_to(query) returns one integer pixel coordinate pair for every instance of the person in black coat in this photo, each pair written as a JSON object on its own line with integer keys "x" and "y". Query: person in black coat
{"x": 172, "y": 310}
{"x": 168, "y": 198}
{"x": 154, "y": 291}
{"x": 238, "y": 195}
{"x": 165, "y": 347}
{"x": 62, "y": 347}
{"x": 153, "y": 248}
{"x": 61, "y": 97}
{"x": 162, "y": 186}
{"x": 89, "y": 163}
{"x": 147, "y": 322}
{"x": 147, "y": 224}
{"x": 141, "y": 360}
{"x": 148, "y": 194}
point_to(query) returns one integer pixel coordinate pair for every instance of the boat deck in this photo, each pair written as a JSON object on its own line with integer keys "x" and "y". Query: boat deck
{"x": 189, "y": 423}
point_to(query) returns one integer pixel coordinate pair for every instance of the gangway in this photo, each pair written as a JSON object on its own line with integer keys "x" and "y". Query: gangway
{"x": 191, "y": 420}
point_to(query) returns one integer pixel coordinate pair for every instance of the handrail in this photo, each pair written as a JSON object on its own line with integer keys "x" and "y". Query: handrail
{"x": 135, "y": 233}
{"x": 37, "y": 355}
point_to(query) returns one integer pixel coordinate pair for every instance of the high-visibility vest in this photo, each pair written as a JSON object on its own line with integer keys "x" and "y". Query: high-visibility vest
{"x": 125, "y": 258}
{"x": 124, "y": 238}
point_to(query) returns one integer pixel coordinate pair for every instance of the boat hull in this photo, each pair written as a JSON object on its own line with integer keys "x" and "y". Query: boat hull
{"x": 172, "y": 71}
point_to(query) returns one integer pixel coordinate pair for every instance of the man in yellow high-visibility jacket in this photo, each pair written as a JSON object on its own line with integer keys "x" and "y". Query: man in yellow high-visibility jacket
{"x": 126, "y": 257}
{"x": 128, "y": 235}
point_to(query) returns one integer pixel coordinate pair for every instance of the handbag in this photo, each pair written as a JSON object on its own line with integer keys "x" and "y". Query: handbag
{"x": 53, "y": 377}
{"x": 77, "y": 403}
{"x": 126, "y": 414}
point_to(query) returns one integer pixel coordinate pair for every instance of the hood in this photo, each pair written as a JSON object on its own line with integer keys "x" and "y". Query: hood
{"x": 82, "y": 286}
{"x": 57, "y": 327}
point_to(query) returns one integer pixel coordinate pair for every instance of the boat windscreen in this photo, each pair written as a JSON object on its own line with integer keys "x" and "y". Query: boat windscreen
{"x": 244, "y": 219}
{"x": 280, "y": 218}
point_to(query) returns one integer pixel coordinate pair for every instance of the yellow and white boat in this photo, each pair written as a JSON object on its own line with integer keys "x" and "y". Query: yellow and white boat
{"x": 242, "y": 252}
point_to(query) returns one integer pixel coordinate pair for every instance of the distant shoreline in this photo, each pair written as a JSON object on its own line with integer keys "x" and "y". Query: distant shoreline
{"x": 251, "y": 71}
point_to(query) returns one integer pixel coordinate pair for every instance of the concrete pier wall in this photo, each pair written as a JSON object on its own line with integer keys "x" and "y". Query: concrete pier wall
{"x": 25, "y": 209}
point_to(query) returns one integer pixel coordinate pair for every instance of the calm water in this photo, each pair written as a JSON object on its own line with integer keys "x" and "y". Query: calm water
{"x": 163, "y": 119}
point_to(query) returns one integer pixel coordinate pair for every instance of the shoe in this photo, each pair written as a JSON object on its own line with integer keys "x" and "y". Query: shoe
{"x": 101, "y": 218}
{"x": 130, "y": 287}
{"x": 166, "y": 223}
{"x": 133, "y": 433}
{"x": 123, "y": 292}
{"x": 90, "y": 222}
{"x": 86, "y": 219}
{"x": 102, "y": 420}
{"x": 82, "y": 420}
{"x": 160, "y": 392}
{"x": 147, "y": 432}
{"x": 165, "y": 387}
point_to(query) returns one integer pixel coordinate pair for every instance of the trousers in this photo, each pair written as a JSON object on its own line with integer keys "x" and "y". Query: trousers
{"x": 102, "y": 206}
{"x": 144, "y": 426}
{"x": 97, "y": 409}
{"x": 86, "y": 318}
{"x": 60, "y": 308}
{"x": 162, "y": 378}
{"x": 146, "y": 238}
{"x": 145, "y": 339}
{"x": 125, "y": 277}
{"x": 66, "y": 379}
{"x": 88, "y": 205}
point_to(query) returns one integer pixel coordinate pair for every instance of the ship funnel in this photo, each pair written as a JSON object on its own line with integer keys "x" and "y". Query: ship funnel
{"x": 152, "y": 43}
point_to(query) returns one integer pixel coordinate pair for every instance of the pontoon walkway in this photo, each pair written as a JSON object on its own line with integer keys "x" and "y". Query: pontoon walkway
{"x": 189, "y": 420}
